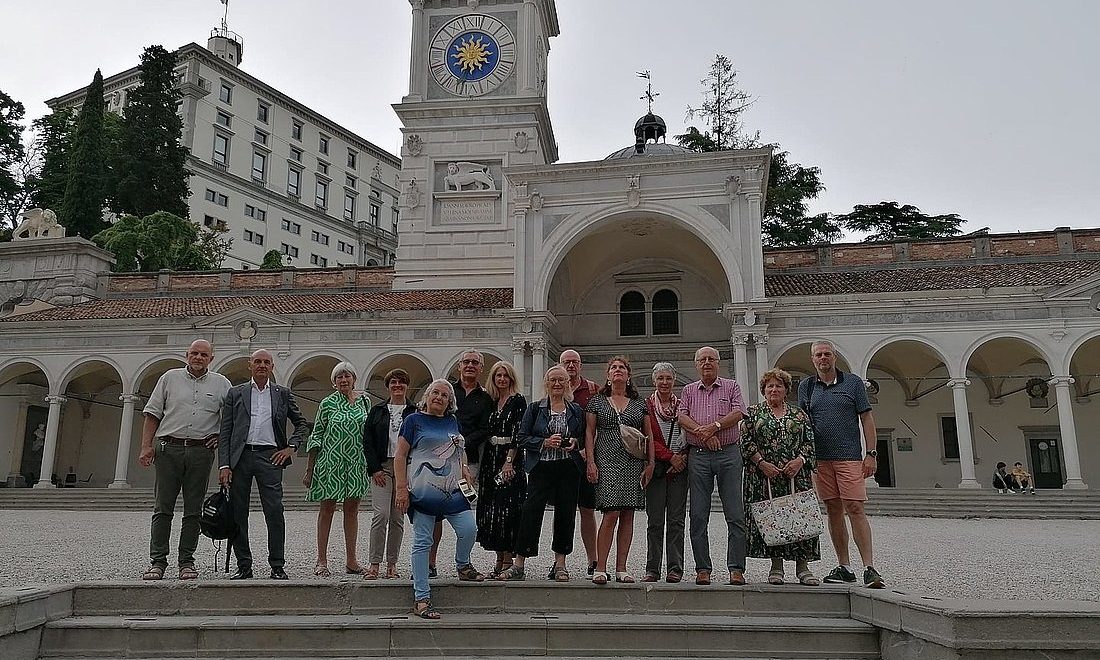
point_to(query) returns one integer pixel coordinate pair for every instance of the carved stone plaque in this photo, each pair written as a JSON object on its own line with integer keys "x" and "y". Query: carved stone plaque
{"x": 467, "y": 212}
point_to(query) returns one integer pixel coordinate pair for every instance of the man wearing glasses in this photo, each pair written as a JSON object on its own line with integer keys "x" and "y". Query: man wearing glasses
{"x": 710, "y": 409}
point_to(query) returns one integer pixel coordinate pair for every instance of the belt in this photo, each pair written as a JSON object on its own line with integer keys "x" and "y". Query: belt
{"x": 184, "y": 442}
{"x": 500, "y": 440}
{"x": 260, "y": 447}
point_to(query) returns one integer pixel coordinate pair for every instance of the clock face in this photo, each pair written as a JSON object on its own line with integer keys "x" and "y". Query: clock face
{"x": 472, "y": 55}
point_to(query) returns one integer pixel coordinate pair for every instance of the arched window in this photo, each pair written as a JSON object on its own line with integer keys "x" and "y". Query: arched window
{"x": 372, "y": 262}
{"x": 666, "y": 313}
{"x": 632, "y": 314}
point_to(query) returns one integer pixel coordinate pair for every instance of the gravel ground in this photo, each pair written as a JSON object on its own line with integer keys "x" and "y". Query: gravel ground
{"x": 1047, "y": 559}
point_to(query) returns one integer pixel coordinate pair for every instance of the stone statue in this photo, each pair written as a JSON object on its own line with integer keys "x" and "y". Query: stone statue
{"x": 38, "y": 223}
{"x": 465, "y": 173}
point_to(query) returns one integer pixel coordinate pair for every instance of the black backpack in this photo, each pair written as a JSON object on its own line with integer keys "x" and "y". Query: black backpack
{"x": 216, "y": 522}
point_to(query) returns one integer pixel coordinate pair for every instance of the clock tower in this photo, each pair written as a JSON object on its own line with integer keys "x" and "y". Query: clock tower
{"x": 476, "y": 105}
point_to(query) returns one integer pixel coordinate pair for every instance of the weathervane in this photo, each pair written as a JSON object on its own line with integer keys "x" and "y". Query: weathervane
{"x": 649, "y": 93}
{"x": 225, "y": 16}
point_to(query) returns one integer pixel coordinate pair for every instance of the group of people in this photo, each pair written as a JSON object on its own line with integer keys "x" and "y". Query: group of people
{"x": 488, "y": 462}
{"x": 1017, "y": 481}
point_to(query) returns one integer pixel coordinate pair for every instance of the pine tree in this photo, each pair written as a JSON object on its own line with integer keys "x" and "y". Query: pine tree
{"x": 11, "y": 150}
{"x": 149, "y": 168}
{"x": 890, "y": 221}
{"x": 55, "y": 131}
{"x": 85, "y": 188}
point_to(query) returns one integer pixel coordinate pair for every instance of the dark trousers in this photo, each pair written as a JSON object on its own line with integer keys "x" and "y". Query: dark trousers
{"x": 666, "y": 503}
{"x": 269, "y": 479}
{"x": 550, "y": 481}
{"x": 178, "y": 468}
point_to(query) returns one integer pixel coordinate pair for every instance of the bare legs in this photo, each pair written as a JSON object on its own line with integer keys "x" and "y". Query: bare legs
{"x": 838, "y": 530}
{"x": 617, "y": 525}
{"x": 351, "y": 530}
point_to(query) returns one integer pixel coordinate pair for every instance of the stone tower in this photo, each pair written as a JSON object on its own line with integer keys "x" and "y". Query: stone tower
{"x": 476, "y": 104}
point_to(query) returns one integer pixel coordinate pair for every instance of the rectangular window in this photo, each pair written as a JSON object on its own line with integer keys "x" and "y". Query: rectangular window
{"x": 290, "y": 250}
{"x": 211, "y": 222}
{"x": 322, "y": 167}
{"x": 949, "y": 432}
{"x": 349, "y": 206}
{"x": 318, "y": 260}
{"x": 253, "y": 212}
{"x": 352, "y": 157}
{"x": 296, "y": 129}
{"x": 221, "y": 149}
{"x": 292, "y": 227}
{"x": 346, "y": 248}
{"x": 253, "y": 237}
{"x": 321, "y": 200}
{"x": 261, "y": 137}
{"x": 293, "y": 182}
{"x": 225, "y": 94}
{"x": 322, "y": 144}
{"x": 218, "y": 198}
{"x": 351, "y": 182}
{"x": 375, "y": 212}
{"x": 396, "y": 217}
{"x": 296, "y": 154}
{"x": 259, "y": 166}
{"x": 262, "y": 110}
{"x": 318, "y": 237}
{"x": 223, "y": 119}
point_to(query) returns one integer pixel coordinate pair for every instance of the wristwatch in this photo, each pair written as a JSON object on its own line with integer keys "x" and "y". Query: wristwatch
{"x": 873, "y": 453}
{"x": 718, "y": 425}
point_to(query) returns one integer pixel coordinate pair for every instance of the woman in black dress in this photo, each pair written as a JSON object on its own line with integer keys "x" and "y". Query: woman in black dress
{"x": 502, "y": 488}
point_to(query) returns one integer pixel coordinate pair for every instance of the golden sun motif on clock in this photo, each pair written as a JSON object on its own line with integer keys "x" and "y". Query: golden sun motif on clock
{"x": 472, "y": 55}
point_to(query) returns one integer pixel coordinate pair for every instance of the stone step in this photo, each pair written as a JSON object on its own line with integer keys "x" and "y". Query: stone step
{"x": 268, "y": 597}
{"x": 460, "y": 634}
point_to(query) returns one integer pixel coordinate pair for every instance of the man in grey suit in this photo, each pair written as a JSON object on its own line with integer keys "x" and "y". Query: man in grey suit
{"x": 254, "y": 446}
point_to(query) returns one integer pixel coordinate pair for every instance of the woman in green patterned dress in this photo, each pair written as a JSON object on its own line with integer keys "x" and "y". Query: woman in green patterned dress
{"x": 777, "y": 443}
{"x": 337, "y": 470}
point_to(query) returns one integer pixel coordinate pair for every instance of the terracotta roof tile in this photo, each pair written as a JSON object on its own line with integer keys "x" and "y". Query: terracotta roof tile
{"x": 930, "y": 278}
{"x": 318, "y": 303}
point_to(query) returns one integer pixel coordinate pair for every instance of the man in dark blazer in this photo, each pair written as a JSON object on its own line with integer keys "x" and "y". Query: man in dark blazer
{"x": 254, "y": 446}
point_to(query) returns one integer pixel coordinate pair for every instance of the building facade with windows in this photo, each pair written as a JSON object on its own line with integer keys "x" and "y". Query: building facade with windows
{"x": 974, "y": 349}
{"x": 264, "y": 166}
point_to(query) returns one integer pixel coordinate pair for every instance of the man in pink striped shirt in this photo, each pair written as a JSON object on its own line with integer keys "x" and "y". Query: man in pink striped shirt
{"x": 710, "y": 409}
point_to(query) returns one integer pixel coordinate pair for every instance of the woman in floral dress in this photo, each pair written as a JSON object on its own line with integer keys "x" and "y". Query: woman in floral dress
{"x": 502, "y": 486}
{"x": 777, "y": 443}
{"x": 337, "y": 470}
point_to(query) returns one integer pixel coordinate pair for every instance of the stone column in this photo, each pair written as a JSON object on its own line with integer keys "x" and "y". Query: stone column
{"x": 538, "y": 367}
{"x": 53, "y": 420}
{"x": 518, "y": 353}
{"x": 1062, "y": 386}
{"x": 741, "y": 365}
{"x": 962, "y": 426}
{"x": 529, "y": 46}
{"x": 418, "y": 65}
{"x": 18, "y": 437}
{"x": 125, "y": 431}
{"x": 762, "y": 362}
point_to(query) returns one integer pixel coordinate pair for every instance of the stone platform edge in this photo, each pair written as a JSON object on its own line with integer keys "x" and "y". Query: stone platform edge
{"x": 909, "y": 626}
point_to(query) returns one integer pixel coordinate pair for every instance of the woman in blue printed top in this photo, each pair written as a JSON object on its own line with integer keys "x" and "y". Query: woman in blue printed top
{"x": 430, "y": 462}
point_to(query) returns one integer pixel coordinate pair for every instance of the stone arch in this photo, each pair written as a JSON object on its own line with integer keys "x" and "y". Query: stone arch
{"x": 75, "y": 369}
{"x": 310, "y": 381}
{"x": 926, "y": 359}
{"x": 576, "y": 228}
{"x": 24, "y": 384}
{"x": 491, "y": 358}
{"x": 288, "y": 373}
{"x": 416, "y": 364}
{"x": 235, "y": 369}
{"x": 152, "y": 369}
{"x": 794, "y": 356}
{"x": 917, "y": 339}
{"x": 1084, "y": 365}
{"x": 88, "y": 430}
{"x": 1001, "y": 334}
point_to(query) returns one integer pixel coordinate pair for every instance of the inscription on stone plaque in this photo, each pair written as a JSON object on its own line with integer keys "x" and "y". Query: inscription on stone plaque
{"x": 469, "y": 212}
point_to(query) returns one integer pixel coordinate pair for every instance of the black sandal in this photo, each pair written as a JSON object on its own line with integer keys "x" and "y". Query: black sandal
{"x": 470, "y": 574}
{"x": 427, "y": 611}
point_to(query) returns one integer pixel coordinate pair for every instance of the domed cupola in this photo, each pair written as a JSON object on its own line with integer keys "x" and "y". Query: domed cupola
{"x": 650, "y": 133}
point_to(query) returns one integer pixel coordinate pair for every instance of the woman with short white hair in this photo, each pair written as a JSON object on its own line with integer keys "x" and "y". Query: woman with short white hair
{"x": 337, "y": 464}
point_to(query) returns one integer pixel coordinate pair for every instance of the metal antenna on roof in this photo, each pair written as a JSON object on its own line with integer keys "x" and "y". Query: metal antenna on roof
{"x": 225, "y": 15}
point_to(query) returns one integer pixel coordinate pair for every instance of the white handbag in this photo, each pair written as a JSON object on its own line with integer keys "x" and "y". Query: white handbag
{"x": 788, "y": 519}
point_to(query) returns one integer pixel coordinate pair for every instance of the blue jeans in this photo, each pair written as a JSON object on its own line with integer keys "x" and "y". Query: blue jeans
{"x": 704, "y": 467}
{"x": 465, "y": 526}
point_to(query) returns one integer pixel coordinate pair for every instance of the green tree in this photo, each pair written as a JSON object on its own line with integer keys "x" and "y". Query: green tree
{"x": 55, "y": 134}
{"x": 723, "y": 104}
{"x": 149, "y": 170}
{"x": 162, "y": 240}
{"x": 273, "y": 260}
{"x": 790, "y": 188}
{"x": 890, "y": 221}
{"x": 85, "y": 189}
{"x": 11, "y": 155}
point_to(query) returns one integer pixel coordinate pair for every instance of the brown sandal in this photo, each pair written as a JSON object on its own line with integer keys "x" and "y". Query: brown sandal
{"x": 154, "y": 572}
{"x": 424, "y": 610}
{"x": 371, "y": 573}
{"x": 188, "y": 573}
{"x": 470, "y": 574}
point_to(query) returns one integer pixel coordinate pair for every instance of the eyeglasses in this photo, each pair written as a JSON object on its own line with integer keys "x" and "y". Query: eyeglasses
{"x": 707, "y": 358}
{"x": 475, "y": 362}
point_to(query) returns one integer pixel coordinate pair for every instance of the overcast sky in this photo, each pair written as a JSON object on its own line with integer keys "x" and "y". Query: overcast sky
{"x": 986, "y": 108}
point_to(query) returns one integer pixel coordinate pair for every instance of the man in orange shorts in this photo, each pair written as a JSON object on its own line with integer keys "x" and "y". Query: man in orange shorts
{"x": 837, "y": 405}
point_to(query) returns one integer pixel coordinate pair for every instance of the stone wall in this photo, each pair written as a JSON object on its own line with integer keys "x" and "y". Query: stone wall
{"x": 58, "y": 271}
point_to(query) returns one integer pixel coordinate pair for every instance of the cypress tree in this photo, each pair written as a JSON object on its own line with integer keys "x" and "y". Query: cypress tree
{"x": 48, "y": 185}
{"x": 82, "y": 206}
{"x": 149, "y": 171}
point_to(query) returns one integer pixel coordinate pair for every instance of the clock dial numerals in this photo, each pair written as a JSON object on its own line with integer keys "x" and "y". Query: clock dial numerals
{"x": 472, "y": 55}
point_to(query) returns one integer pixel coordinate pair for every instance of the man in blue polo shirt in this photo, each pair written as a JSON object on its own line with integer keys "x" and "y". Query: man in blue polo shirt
{"x": 837, "y": 405}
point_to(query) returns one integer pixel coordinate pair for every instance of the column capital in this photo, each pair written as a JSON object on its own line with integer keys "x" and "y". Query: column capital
{"x": 958, "y": 383}
{"x": 760, "y": 339}
{"x": 129, "y": 398}
{"x": 519, "y": 344}
{"x": 55, "y": 399}
{"x": 537, "y": 343}
{"x": 740, "y": 338}
{"x": 1061, "y": 381}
